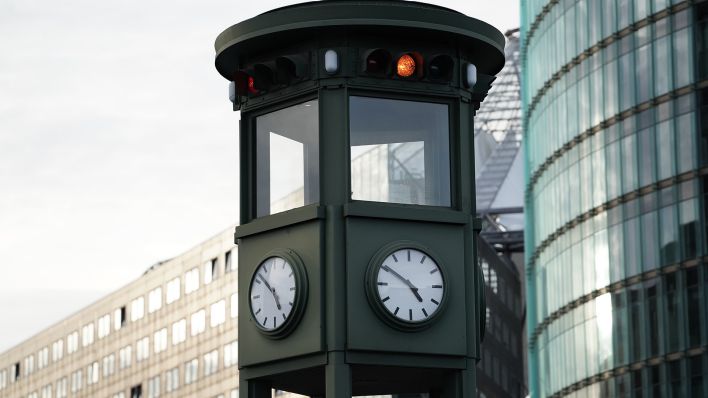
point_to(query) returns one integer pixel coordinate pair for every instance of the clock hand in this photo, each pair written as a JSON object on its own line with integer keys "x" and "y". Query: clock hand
{"x": 406, "y": 281}
{"x": 272, "y": 291}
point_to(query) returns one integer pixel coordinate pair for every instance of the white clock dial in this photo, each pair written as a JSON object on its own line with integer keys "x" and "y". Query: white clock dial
{"x": 272, "y": 293}
{"x": 410, "y": 285}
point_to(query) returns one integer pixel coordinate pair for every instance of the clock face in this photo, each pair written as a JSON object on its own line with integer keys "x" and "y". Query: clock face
{"x": 272, "y": 293}
{"x": 410, "y": 285}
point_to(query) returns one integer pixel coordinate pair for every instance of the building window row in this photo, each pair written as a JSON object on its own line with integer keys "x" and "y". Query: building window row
{"x": 102, "y": 328}
{"x": 191, "y": 371}
{"x": 607, "y": 165}
{"x": 566, "y": 32}
{"x": 603, "y": 86}
{"x": 638, "y": 323}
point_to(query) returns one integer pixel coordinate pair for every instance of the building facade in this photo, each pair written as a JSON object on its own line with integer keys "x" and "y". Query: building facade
{"x": 615, "y": 100}
{"x": 171, "y": 332}
{"x": 499, "y": 187}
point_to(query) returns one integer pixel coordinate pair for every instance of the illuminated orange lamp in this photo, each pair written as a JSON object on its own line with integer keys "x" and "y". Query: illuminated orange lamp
{"x": 405, "y": 66}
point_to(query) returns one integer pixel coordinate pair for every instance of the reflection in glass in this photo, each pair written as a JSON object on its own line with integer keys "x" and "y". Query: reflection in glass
{"x": 287, "y": 158}
{"x": 399, "y": 151}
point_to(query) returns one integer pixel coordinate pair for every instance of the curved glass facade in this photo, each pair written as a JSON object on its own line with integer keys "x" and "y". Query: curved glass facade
{"x": 612, "y": 97}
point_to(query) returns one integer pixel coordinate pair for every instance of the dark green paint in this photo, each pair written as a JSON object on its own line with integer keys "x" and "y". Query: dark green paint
{"x": 340, "y": 346}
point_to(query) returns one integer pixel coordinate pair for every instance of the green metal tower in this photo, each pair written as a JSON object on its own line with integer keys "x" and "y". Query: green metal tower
{"x": 357, "y": 257}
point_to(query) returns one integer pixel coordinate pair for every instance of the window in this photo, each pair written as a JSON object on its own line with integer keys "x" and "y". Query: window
{"x": 137, "y": 308}
{"x": 217, "y": 313}
{"x": 191, "y": 371}
{"x": 87, "y": 335}
{"x": 142, "y": 349}
{"x": 173, "y": 291}
{"x": 136, "y": 391}
{"x": 109, "y": 365}
{"x": 179, "y": 331}
{"x": 119, "y": 395}
{"x": 191, "y": 281}
{"x": 210, "y": 271}
{"x": 231, "y": 354}
{"x": 198, "y": 322}
{"x": 287, "y": 171}
{"x": 154, "y": 387}
{"x": 229, "y": 260}
{"x": 172, "y": 380}
{"x": 234, "y": 305}
{"x": 15, "y": 372}
{"x": 125, "y": 356}
{"x": 234, "y": 393}
{"x": 155, "y": 300}
{"x": 76, "y": 382}
{"x": 57, "y": 350}
{"x": 29, "y": 365}
{"x": 47, "y": 391}
{"x": 211, "y": 362}
{"x": 104, "y": 326}
{"x": 160, "y": 340}
{"x": 62, "y": 387}
{"x": 43, "y": 358}
{"x": 92, "y": 373}
{"x": 400, "y": 151}
{"x": 3, "y": 379}
{"x": 119, "y": 318}
{"x": 33, "y": 395}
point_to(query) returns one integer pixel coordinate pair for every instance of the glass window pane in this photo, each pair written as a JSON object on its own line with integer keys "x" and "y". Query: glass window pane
{"x": 399, "y": 151}
{"x": 683, "y": 74}
{"x": 643, "y": 69}
{"x": 288, "y": 158}
{"x": 662, "y": 63}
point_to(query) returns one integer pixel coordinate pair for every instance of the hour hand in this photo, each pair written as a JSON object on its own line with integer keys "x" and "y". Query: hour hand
{"x": 415, "y": 292}
{"x": 406, "y": 281}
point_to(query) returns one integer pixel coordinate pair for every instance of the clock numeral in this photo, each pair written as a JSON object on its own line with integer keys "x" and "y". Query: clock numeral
{"x": 292, "y": 288}
{"x": 425, "y": 312}
{"x": 257, "y": 296}
{"x": 382, "y": 283}
{"x": 410, "y": 314}
{"x": 422, "y": 260}
{"x": 435, "y": 301}
{"x": 409, "y": 255}
{"x": 434, "y": 270}
{"x": 385, "y": 299}
{"x": 396, "y": 312}
{"x": 258, "y": 281}
{"x": 259, "y": 311}
{"x": 265, "y": 320}
{"x": 394, "y": 258}
{"x": 437, "y": 286}
{"x": 291, "y": 303}
{"x": 274, "y": 320}
{"x": 284, "y": 318}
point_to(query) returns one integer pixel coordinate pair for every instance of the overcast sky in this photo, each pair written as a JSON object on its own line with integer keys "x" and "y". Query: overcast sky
{"x": 118, "y": 147}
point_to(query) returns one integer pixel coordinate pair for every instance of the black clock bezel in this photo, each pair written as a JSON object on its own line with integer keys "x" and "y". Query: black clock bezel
{"x": 301, "y": 294}
{"x": 374, "y": 298}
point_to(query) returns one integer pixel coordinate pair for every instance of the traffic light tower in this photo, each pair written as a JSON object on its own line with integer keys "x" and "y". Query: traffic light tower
{"x": 357, "y": 254}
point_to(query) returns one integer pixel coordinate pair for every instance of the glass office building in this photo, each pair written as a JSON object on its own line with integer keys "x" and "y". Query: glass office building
{"x": 616, "y": 120}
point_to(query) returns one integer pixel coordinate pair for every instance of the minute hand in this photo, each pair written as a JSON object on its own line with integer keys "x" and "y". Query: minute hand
{"x": 406, "y": 281}
{"x": 272, "y": 291}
